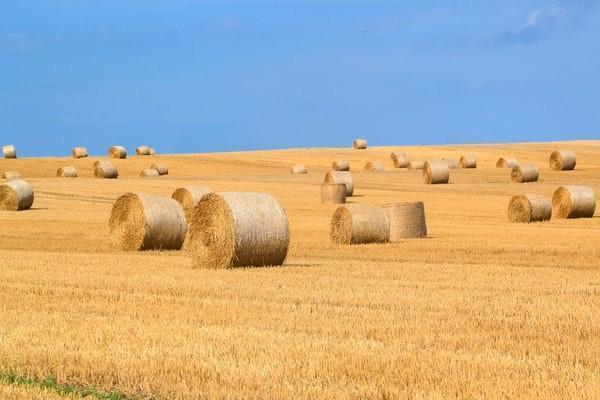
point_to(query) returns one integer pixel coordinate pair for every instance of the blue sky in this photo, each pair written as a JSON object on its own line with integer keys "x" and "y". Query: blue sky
{"x": 196, "y": 76}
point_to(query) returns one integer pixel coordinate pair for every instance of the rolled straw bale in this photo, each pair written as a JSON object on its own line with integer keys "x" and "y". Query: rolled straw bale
{"x": 189, "y": 196}
{"x": 468, "y": 162}
{"x": 451, "y": 162}
{"x": 238, "y": 229}
{"x": 333, "y": 193}
{"x": 162, "y": 169}
{"x": 16, "y": 195}
{"x": 9, "y": 151}
{"x": 106, "y": 170}
{"x": 340, "y": 165}
{"x": 79, "y": 152}
{"x": 299, "y": 169}
{"x": 525, "y": 173}
{"x": 574, "y": 201}
{"x": 142, "y": 151}
{"x": 529, "y": 208}
{"x": 375, "y": 166}
{"x": 407, "y": 220}
{"x": 67, "y": 172}
{"x": 143, "y": 222}
{"x": 435, "y": 172}
{"x": 416, "y": 164}
{"x": 359, "y": 223}
{"x": 11, "y": 175}
{"x": 101, "y": 162}
{"x": 344, "y": 177}
{"x": 117, "y": 152}
{"x": 148, "y": 173}
{"x": 506, "y": 162}
{"x": 563, "y": 160}
{"x": 400, "y": 160}
{"x": 359, "y": 144}
{"x": 151, "y": 151}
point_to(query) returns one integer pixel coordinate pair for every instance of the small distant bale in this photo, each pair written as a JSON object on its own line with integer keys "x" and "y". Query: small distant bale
{"x": 8, "y": 175}
{"x": 340, "y": 165}
{"x": 333, "y": 193}
{"x": 188, "y": 197}
{"x": 299, "y": 169}
{"x": 230, "y": 230}
{"x": 162, "y": 169}
{"x": 359, "y": 144}
{"x": 9, "y": 151}
{"x": 400, "y": 160}
{"x": 101, "y": 162}
{"x": 79, "y": 152}
{"x": 67, "y": 172}
{"x": 143, "y": 222}
{"x": 436, "y": 172}
{"x": 374, "y": 166}
{"x": 574, "y": 201}
{"x": 16, "y": 195}
{"x": 529, "y": 208}
{"x": 142, "y": 151}
{"x": 344, "y": 177}
{"x": 149, "y": 173}
{"x": 451, "y": 162}
{"x": 151, "y": 151}
{"x": 117, "y": 152}
{"x": 407, "y": 221}
{"x": 506, "y": 162}
{"x": 468, "y": 162}
{"x": 359, "y": 224}
{"x": 105, "y": 170}
{"x": 416, "y": 164}
{"x": 563, "y": 160}
{"x": 523, "y": 173}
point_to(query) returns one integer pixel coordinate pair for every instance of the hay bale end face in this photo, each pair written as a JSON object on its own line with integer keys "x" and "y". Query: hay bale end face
{"x": 333, "y": 193}
{"x": 237, "y": 230}
{"x": 344, "y": 177}
{"x": 529, "y": 208}
{"x": 162, "y": 169}
{"x": 359, "y": 224}
{"x": 523, "y": 173}
{"x": 149, "y": 173}
{"x": 117, "y": 152}
{"x": 374, "y": 166}
{"x": 468, "y": 162}
{"x": 400, "y": 160}
{"x": 407, "y": 221}
{"x": 143, "y": 222}
{"x": 574, "y": 201}
{"x": 16, "y": 195}
{"x": 506, "y": 162}
{"x": 142, "y": 151}
{"x": 79, "y": 152}
{"x": 340, "y": 165}
{"x": 105, "y": 170}
{"x": 359, "y": 144}
{"x": 563, "y": 160}
{"x": 8, "y": 175}
{"x": 9, "y": 151}
{"x": 299, "y": 169}
{"x": 188, "y": 197}
{"x": 67, "y": 172}
{"x": 416, "y": 164}
{"x": 436, "y": 172}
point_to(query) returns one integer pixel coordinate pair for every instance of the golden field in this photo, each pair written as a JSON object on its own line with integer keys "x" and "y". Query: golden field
{"x": 481, "y": 309}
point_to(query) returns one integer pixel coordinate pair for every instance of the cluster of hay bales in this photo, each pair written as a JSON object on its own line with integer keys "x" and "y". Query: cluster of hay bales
{"x": 523, "y": 173}
{"x": 506, "y": 162}
{"x": 9, "y": 151}
{"x": 105, "y": 170}
{"x": 16, "y": 195}
{"x": 67, "y": 172}
{"x": 468, "y": 162}
{"x": 117, "y": 152}
{"x": 333, "y": 193}
{"x": 8, "y": 175}
{"x": 529, "y": 208}
{"x": 340, "y": 165}
{"x": 563, "y": 160}
{"x": 344, "y": 177}
{"x": 400, "y": 160}
{"x": 359, "y": 144}
{"x": 79, "y": 152}
{"x": 374, "y": 166}
{"x": 189, "y": 196}
{"x": 299, "y": 169}
{"x": 436, "y": 172}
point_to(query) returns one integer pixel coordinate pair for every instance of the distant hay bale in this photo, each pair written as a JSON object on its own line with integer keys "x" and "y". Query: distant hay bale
{"x": 340, "y": 165}
{"x": 188, "y": 197}
{"x": 333, "y": 193}
{"x": 143, "y": 222}
{"x": 9, "y": 151}
{"x": 563, "y": 160}
{"x": 574, "y": 201}
{"x": 151, "y": 151}
{"x": 416, "y": 164}
{"x": 67, "y": 172}
{"x": 506, "y": 162}
{"x": 374, "y": 166}
{"x": 400, "y": 160}
{"x": 162, "y": 169}
{"x": 79, "y": 152}
{"x": 149, "y": 173}
{"x": 359, "y": 144}
{"x": 299, "y": 169}
{"x": 16, "y": 195}
{"x": 237, "y": 230}
{"x": 344, "y": 177}
{"x": 105, "y": 170}
{"x": 468, "y": 162}
{"x": 358, "y": 224}
{"x": 529, "y": 208}
{"x": 101, "y": 162}
{"x": 436, "y": 172}
{"x": 142, "y": 151}
{"x": 117, "y": 152}
{"x": 523, "y": 173}
{"x": 407, "y": 220}
{"x": 451, "y": 162}
{"x": 8, "y": 175}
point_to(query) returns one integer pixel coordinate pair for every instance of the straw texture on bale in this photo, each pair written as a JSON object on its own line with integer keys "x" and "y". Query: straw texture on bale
{"x": 563, "y": 160}
{"x": 238, "y": 229}
{"x": 9, "y": 151}
{"x": 144, "y": 222}
{"x": 149, "y": 172}
{"x": 117, "y": 152}
{"x": 506, "y": 162}
{"x": 525, "y": 173}
{"x": 435, "y": 172}
{"x": 451, "y": 162}
{"x": 416, "y": 164}
{"x": 359, "y": 144}
{"x": 105, "y": 170}
{"x": 468, "y": 162}
{"x": 333, "y": 193}
{"x": 67, "y": 172}
{"x": 340, "y": 165}
{"x": 529, "y": 208}
{"x": 400, "y": 160}
{"x": 375, "y": 166}
{"x": 79, "y": 152}
{"x": 574, "y": 201}
{"x": 162, "y": 169}
{"x": 151, "y": 151}
{"x": 358, "y": 224}
{"x": 10, "y": 175}
{"x": 299, "y": 169}
{"x": 142, "y": 151}
{"x": 97, "y": 163}
{"x": 344, "y": 177}
{"x": 16, "y": 195}
{"x": 189, "y": 196}
{"x": 407, "y": 220}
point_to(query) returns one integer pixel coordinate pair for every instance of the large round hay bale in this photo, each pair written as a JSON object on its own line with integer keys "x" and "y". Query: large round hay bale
{"x": 189, "y": 196}
{"x": 143, "y": 222}
{"x": 333, "y": 193}
{"x": 238, "y": 229}
{"x": 8, "y": 175}
{"x": 400, "y": 160}
{"x": 142, "y": 151}
{"x": 506, "y": 162}
{"x": 162, "y": 169}
{"x": 451, "y": 162}
{"x": 97, "y": 163}
{"x": 340, "y": 165}
{"x": 151, "y": 151}
{"x": 529, "y": 208}
{"x": 563, "y": 160}
{"x": 468, "y": 162}
{"x": 117, "y": 152}
{"x": 16, "y": 195}
{"x": 359, "y": 223}
{"x": 374, "y": 166}
{"x": 67, "y": 172}
{"x": 359, "y": 144}
{"x": 105, "y": 170}
{"x": 9, "y": 151}
{"x": 523, "y": 173}
{"x": 407, "y": 220}
{"x": 435, "y": 172}
{"x": 574, "y": 201}
{"x": 344, "y": 177}
{"x": 416, "y": 164}
{"x": 149, "y": 173}
{"x": 79, "y": 152}
{"x": 299, "y": 169}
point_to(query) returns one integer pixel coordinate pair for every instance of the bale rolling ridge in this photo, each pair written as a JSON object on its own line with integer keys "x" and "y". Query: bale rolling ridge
{"x": 162, "y": 169}
{"x": 340, "y": 165}
{"x": 9, "y": 151}
{"x": 436, "y": 172}
{"x": 523, "y": 173}
{"x": 344, "y": 177}
{"x": 359, "y": 144}
{"x": 399, "y": 160}
{"x": 451, "y": 162}
{"x": 105, "y": 170}
{"x": 117, "y": 152}
{"x": 407, "y": 221}
{"x": 374, "y": 166}
{"x": 529, "y": 208}
{"x": 142, "y": 151}
{"x": 230, "y": 230}
{"x": 359, "y": 224}
{"x": 416, "y": 164}
{"x": 468, "y": 162}
{"x": 333, "y": 193}
{"x": 79, "y": 152}
{"x": 189, "y": 196}
{"x": 299, "y": 169}
{"x": 506, "y": 162}
{"x": 563, "y": 160}
{"x": 574, "y": 201}
{"x": 149, "y": 173}
{"x": 8, "y": 175}
{"x": 67, "y": 172}
{"x": 16, "y": 195}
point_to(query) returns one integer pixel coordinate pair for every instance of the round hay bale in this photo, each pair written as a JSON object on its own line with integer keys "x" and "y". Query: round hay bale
{"x": 97, "y": 163}
{"x": 8, "y": 175}
{"x": 529, "y": 208}
{"x": 574, "y": 201}
{"x": 563, "y": 160}
{"x": 151, "y": 151}
{"x": 143, "y": 222}
{"x": 9, "y": 151}
{"x": 468, "y": 162}
{"x": 79, "y": 152}
{"x": 506, "y": 162}
{"x": 340, "y": 165}
{"x": 238, "y": 229}
{"x": 359, "y": 144}
{"x": 67, "y": 172}
{"x": 149, "y": 173}
{"x": 374, "y": 166}
{"x": 188, "y": 197}
{"x": 525, "y": 173}
{"x": 162, "y": 169}
{"x": 16, "y": 195}
{"x": 416, "y": 164}
{"x": 105, "y": 170}
{"x": 299, "y": 169}
{"x": 142, "y": 151}
{"x": 400, "y": 160}
{"x": 344, "y": 177}
{"x": 451, "y": 162}
{"x": 359, "y": 223}
{"x": 117, "y": 152}
{"x": 435, "y": 172}
{"x": 333, "y": 193}
{"x": 407, "y": 220}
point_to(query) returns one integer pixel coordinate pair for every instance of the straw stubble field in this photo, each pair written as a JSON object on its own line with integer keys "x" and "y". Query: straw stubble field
{"x": 481, "y": 309}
